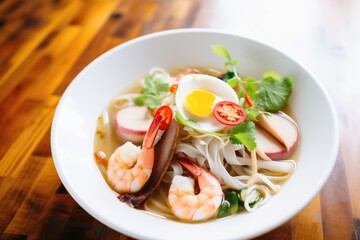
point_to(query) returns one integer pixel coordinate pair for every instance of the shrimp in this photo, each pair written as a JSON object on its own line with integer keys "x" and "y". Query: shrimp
{"x": 130, "y": 167}
{"x": 187, "y": 205}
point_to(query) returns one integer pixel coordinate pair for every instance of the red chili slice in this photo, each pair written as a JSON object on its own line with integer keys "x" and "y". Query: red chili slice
{"x": 248, "y": 100}
{"x": 166, "y": 113}
{"x": 229, "y": 113}
{"x": 173, "y": 88}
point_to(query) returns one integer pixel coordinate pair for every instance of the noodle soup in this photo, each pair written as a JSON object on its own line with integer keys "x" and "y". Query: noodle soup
{"x": 237, "y": 146}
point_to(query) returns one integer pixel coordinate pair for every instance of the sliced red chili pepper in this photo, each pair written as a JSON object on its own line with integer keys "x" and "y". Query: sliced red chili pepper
{"x": 229, "y": 113}
{"x": 166, "y": 113}
{"x": 173, "y": 88}
{"x": 248, "y": 100}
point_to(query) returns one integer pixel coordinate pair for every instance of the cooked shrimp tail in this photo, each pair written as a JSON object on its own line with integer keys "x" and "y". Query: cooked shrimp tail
{"x": 191, "y": 166}
{"x": 152, "y": 132}
{"x": 187, "y": 205}
{"x": 130, "y": 167}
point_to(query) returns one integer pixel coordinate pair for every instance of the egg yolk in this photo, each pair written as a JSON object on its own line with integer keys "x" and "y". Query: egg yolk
{"x": 200, "y": 102}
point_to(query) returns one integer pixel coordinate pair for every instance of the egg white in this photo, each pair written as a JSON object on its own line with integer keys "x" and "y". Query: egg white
{"x": 219, "y": 88}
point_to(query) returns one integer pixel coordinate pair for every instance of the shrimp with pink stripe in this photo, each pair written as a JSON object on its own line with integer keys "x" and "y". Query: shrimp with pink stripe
{"x": 183, "y": 200}
{"x": 130, "y": 167}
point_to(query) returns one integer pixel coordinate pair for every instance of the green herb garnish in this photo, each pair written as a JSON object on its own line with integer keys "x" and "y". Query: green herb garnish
{"x": 231, "y": 76}
{"x": 252, "y": 113}
{"x": 230, "y": 205}
{"x": 273, "y": 94}
{"x": 151, "y": 94}
{"x": 270, "y": 93}
{"x": 244, "y": 134}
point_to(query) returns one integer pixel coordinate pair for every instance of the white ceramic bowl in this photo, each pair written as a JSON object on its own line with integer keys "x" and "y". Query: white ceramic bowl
{"x": 72, "y": 133}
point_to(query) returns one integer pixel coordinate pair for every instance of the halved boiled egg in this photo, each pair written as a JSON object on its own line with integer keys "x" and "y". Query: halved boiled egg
{"x": 196, "y": 96}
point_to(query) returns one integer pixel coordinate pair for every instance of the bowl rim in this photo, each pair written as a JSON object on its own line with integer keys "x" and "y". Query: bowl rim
{"x": 281, "y": 220}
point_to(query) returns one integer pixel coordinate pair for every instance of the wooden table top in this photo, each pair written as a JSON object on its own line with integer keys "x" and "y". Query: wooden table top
{"x": 44, "y": 44}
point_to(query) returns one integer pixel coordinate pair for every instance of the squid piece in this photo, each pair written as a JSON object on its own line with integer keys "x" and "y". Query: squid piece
{"x": 268, "y": 124}
{"x": 278, "y": 136}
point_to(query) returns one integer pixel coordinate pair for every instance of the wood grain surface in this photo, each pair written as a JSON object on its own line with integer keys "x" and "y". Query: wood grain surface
{"x": 45, "y": 43}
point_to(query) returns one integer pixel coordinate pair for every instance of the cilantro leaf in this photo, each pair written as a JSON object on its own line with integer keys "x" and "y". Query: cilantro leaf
{"x": 251, "y": 86}
{"x": 252, "y": 113}
{"x": 149, "y": 100}
{"x": 154, "y": 85}
{"x": 273, "y": 94}
{"x": 244, "y": 134}
{"x": 221, "y": 52}
{"x": 150, "y": 94}
{"x": 230, "y": 64}
{"x": 272, "y": 74}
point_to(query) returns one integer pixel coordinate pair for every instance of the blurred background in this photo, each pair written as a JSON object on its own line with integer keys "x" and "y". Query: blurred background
{"x": 44, "y": 44}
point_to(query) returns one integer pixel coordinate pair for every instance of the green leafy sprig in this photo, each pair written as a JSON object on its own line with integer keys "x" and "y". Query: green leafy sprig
{"x": 270, "y": 93}
{"x": 151, "y": 94}
{"x": 231, "y": 77}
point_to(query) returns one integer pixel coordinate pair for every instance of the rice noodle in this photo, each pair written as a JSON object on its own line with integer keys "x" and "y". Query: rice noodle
{"x": 251, "y": 192}
{"x": 174, "y": 169}
{"x": 262, "y": 154}
{"x": 254, "y": 169}
{"x": 234, "y": 168}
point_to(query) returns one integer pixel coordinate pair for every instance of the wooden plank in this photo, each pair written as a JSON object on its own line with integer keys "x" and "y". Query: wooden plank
{"x": 335, "y": 199}
{"x": 13, "y": 124}
{"x": 24, "y": 18}
{"x": 281, "y": 233}
{"x": 13, "y": 236}
{"x": 169, "y": 15}
{"x": 134, "y": 18}
{"x": 24, "y": 80}
{"x": 14, "y": 190}
{"x": 68, "y": 55}
{"x": 350, "y": 152}
{"x": 357, "y": 228}
{"x": 16, "y": 8}
{"x": 7, "y": 49}
{"x": 58, "y": 55}
{"x": 97, "y": 46}
{"x": 308, "y": 223}
{"x": 57, "y": 18}
{"x": 43, "y": 148}
{"x": 29, "y": 215}
{"x": 81, "y": 226}
{"x": 55, "y": 216}
{"x": 23, "y": 146}
{"x": 109, "y": 234}
{"x": 6, "y": 5}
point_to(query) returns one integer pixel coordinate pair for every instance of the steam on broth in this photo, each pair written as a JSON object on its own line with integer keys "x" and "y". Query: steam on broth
{"x": 225, "y": 131}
